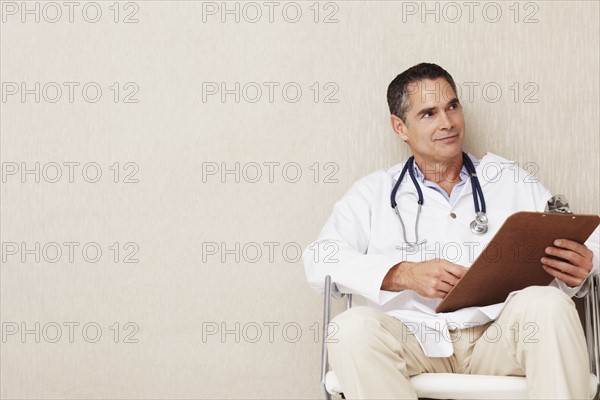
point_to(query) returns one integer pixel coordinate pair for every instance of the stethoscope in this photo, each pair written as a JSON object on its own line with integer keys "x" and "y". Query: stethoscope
{"x": 479, "y": 224}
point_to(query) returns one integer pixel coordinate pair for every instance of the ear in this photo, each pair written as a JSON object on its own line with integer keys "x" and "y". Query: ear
{"x": 399, "y": 127}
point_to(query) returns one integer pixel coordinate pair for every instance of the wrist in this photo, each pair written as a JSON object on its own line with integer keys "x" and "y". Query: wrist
{"x": 394, "y": 279}
{"x": 401, "y": 274}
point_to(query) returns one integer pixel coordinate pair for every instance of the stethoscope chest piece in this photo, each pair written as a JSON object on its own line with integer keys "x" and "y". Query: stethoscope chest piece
{"x": 479, "y": 224}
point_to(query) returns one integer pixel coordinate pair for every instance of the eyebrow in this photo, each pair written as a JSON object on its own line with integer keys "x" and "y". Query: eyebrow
{"x": 430, "y": 109}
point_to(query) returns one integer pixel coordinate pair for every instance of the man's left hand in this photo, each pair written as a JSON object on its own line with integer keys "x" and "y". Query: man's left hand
{"x": 575, "y": 265}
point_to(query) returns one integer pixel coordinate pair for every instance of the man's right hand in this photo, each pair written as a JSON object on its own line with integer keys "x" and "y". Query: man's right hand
{"x": 432, "y": 278}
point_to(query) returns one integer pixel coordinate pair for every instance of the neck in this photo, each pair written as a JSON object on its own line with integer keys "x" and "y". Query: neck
{"x": 447, "y": 171}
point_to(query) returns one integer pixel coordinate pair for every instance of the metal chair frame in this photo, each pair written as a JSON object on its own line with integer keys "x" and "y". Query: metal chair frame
{"x": 592, "y": 327}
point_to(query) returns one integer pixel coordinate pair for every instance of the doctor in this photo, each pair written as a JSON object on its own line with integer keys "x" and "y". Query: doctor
{"x": 404, "y": 260}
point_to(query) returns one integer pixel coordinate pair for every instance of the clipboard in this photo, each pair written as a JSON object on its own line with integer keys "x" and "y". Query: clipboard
{"x": 511, "y": 261}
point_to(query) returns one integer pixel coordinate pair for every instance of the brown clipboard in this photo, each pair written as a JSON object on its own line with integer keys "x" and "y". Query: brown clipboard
{"x": 511, "y": 261}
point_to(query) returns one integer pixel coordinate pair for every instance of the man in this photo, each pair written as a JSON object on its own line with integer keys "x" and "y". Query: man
{"x": 368, "y": 251}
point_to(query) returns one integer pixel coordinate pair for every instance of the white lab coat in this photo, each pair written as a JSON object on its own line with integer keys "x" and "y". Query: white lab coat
{"x": 358, "y": 244}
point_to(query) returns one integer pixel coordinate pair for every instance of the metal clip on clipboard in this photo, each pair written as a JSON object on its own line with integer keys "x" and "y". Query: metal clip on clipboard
{"x": 559, "y": 204}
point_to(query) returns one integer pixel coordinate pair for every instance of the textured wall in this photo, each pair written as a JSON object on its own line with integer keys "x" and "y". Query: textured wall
{"x": 534, "y": 74}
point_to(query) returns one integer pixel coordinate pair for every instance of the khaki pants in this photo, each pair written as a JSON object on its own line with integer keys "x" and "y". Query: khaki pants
{"x": 541, "y": 338}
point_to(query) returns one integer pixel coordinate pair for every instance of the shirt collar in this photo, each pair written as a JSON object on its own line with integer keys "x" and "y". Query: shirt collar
{"x": 464, "y": 175}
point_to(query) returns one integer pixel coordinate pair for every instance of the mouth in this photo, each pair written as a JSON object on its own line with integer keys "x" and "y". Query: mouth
{"x": 446, "y": 138}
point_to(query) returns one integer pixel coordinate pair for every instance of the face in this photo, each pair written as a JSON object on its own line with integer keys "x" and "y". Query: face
{"x": 435, "y": 125}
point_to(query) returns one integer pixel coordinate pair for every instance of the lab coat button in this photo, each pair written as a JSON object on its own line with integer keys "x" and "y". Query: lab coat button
{"x": 453, "y": 215}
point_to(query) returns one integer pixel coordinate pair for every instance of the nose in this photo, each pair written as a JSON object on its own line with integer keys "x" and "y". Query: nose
{"x": 445, "y": 122}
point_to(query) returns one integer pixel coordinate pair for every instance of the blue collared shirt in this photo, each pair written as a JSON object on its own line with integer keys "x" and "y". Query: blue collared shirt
{"x": 464, "y": 178}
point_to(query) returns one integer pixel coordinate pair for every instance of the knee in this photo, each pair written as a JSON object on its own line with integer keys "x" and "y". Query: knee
{"x": 538, "y": 298}
{"x": 355, "y": 327}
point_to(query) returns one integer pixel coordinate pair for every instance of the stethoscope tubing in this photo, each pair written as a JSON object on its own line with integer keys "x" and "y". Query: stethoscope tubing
{"x": 477, "y": 226}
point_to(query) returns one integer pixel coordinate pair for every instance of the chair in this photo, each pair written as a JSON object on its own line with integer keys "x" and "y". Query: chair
{"x": 462, "y": 386}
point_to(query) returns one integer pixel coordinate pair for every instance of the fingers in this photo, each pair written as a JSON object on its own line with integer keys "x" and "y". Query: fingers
{"x": 575, "y": 265}
{"x": 445, "y": 284}
{"x": 432, "y": 291}
{"x": 435, "y": 294}
{"x": 572, "y": 251}
{"x": 450, "y": 279}
{"x": 570, "y": 280}
{"x": 577, "y": 256}
{"x": 565, "y": 267}
{"x": 574, "y": 246}
{"x": 435, "y": 286}
{"x": 435, "y": 278}
{"x": 457, "y": 270}
{"x": 569, "y": 255}
{"x": 444, "y": 287}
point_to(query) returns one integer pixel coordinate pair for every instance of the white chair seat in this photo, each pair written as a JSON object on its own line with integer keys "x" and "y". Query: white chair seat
{"x": 461, "y": 386}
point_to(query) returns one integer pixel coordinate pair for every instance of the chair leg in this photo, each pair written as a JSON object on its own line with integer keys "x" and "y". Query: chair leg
{"x": 331, "y": 291}
{"x": 592, "y": 328}
{"x": 326, "y": 318}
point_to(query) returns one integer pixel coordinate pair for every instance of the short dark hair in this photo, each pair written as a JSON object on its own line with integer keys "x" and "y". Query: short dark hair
{"x": 397, "y": 95}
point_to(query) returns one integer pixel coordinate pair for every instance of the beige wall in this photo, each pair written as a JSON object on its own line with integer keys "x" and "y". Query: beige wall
{"x": 173, "y": 216}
